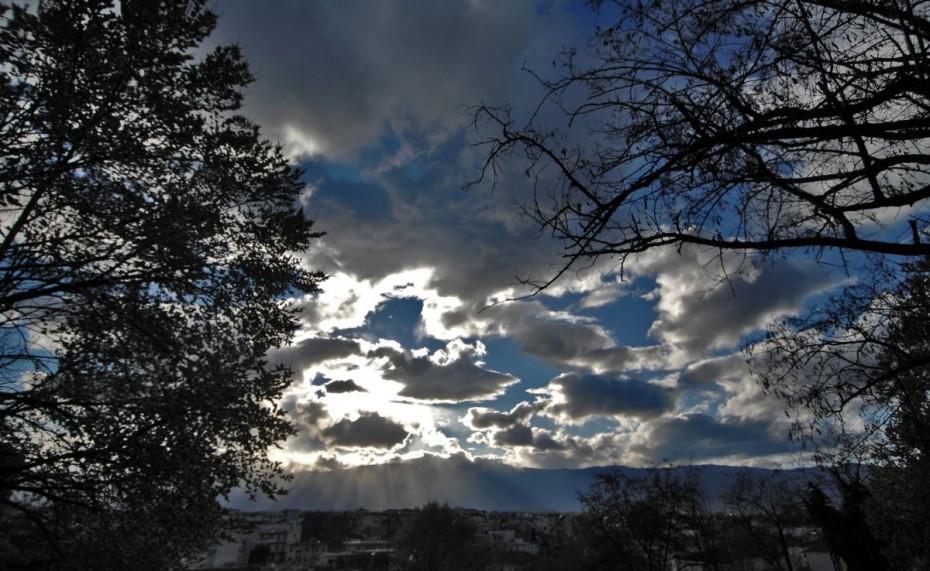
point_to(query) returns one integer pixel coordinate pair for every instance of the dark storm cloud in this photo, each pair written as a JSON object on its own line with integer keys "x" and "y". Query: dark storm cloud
{"x": 346, "y": 386}
{"x": 314, "y": 351}
{"x": 327, "y": 463}
{"x": 457, "y": 381}
{"x": 306, "y": 441}
{"x": 339, "y": 73}
{"x": 370, "y": 430}
{"x": 581, "y": 345}
{"x": 310, "y": 413}
{"x": 593, "y": 395}
{"x": 524, "y": 436}
{"x": 516, "y": 435}
{"x": 480, "y": 418}
{"x": 572, "y": 451}
{"x": 391, "y": 80}
{"x": 308, "y": 417}
{"x": 701, "y": 436}
{"x": 542, "y": 440}
{"x": 470, "y": 259}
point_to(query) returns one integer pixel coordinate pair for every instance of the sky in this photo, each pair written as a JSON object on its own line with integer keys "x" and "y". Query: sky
{"x": 410, "y": 349}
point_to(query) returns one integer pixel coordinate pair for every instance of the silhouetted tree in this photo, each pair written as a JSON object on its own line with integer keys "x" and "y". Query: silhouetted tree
{"x": 863, "y": 349}
{"x": 438, "y": 538}
{"x": 846, "y": 530}
{"x": 330, "y": 528}
{"x": 765, "y": 508}
{"x": 897, "y": 512}
{"x": 865, "y": 352}
{"x": 753, "y": 127}
{"x": 748, "y": 129}
{"x": 901, "y": 454}
{"x": 827, "y": 518}
{"x": 147, "y": 239}
{"x": 647, "y": 522}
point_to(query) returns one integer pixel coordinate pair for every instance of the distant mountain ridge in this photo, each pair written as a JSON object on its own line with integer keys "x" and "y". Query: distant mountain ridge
{"x": 457, "y": 481}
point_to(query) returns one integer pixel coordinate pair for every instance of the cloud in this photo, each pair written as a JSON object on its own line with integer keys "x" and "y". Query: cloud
{"x": 459, "y": 379}
{"x": 524, "y": 436}
{"x": 332, "y": 77}
{"x": 345, "y": 299}
{"x": 480, "y": 418}
{"x": 697, "y": 437}
{"x": 704, "y": 437}
{"x": 577, "y": 397}
{"x": 374, "y": 93}
{"x": 453, "y": 262}
{"x": 328, "y": 463}
{"x": 314, "y": 351}
{"x": 543, "y": 440}
{"x": 698, "y": 311}
{"x": 309, "y": 416}
{"x": 717, "y": 370}
{"x": 342, "y": 386}
{"x": 587, "y": 346}
{"x": 574, "y": 451}
{"x": 310, "y": 413}
{"x": 379, "y": 94}
{"x": 368, "y": 430}
{"x": 741, "y": 393}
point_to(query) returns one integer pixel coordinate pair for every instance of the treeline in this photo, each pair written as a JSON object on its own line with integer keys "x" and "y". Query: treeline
{"x": 771, "y": 521}
{"x": 664, "y": 519}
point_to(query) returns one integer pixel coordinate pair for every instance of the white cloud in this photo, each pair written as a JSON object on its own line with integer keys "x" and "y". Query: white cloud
{"x": 372, "y": 95}
{"x": 707, "y": 303}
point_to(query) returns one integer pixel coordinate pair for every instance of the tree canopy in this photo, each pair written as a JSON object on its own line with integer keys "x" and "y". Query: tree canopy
{"x": 147, "y": 249}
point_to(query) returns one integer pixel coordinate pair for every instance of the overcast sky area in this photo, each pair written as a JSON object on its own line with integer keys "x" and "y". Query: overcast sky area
{"x": 404, "y": 352}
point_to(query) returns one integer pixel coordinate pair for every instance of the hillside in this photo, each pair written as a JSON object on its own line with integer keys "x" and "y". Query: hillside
{"x": 456, "y": 481}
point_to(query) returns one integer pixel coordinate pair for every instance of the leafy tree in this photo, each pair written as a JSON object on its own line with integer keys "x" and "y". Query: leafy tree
{"x": 147, "y": 234}
{"x": 559, "y": 549}
{"x": 647, "y": 522}
{"x": 749, "y": 127}
{"x": 438, "y": 538}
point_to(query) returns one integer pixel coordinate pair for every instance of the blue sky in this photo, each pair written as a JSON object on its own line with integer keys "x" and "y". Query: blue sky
{"x": 404, "y": 352}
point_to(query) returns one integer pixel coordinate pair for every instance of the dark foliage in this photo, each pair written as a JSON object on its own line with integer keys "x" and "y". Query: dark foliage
{"x": 855, "y": 369}
{"x": 846, "y": 529}
{"x": 147, "y": 234}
